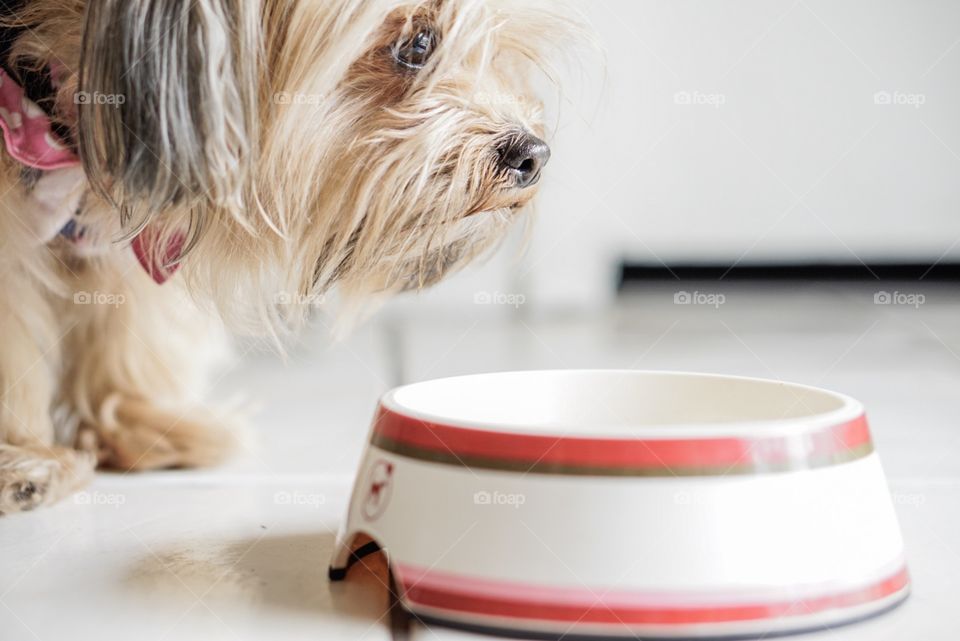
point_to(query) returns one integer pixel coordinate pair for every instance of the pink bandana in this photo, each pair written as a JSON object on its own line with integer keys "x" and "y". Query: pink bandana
{"x": 27, "y": 131}
{"x": 30, "y": 140}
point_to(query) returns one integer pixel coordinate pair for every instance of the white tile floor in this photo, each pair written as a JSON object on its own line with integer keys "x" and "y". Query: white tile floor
{"x": 223, "y": 555}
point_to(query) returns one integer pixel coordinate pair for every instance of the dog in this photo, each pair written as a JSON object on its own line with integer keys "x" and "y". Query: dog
{"x": 171, "y": 165}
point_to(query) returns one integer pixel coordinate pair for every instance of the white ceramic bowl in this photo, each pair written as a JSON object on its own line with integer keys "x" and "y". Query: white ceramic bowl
{"x": 626, "y": 503}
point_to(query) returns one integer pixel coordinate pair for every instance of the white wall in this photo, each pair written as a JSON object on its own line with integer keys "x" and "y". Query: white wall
{"x": 789, "y": 159}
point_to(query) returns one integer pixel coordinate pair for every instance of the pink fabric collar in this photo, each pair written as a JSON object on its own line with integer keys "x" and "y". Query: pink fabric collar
{"x": 27, "y": 131}
{"x": 30, "y": 140}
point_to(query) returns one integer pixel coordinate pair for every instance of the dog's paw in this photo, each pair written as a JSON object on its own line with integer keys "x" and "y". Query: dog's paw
{"x": 133, "y": 434}
{"x": 37, "y": 475}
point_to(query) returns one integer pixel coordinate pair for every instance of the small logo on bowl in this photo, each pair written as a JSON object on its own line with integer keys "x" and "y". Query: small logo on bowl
{"x": 379, "y": 491}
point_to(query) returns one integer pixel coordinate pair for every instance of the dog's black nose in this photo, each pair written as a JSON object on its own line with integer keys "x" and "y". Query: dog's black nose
{"x": 523, "y": 157}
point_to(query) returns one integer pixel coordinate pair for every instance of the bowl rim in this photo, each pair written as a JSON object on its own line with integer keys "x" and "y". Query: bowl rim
{"x": 849, "y": 410}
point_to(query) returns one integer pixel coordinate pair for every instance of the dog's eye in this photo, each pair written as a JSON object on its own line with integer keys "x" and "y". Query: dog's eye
{"x": 414, "y": 52}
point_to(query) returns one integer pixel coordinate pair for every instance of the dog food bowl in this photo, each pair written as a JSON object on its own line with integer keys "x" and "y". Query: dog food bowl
{"x": 626, "y": 503}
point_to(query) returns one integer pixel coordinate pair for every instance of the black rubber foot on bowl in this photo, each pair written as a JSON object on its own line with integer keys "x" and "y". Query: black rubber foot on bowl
{"x": 339, "y": 574}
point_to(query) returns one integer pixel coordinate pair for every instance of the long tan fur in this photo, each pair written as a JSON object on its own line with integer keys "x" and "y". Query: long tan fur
{"x": 296, "y": 156}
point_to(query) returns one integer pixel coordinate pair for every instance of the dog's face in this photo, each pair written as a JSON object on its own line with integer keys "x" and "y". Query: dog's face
{"x": 372, "y": 145}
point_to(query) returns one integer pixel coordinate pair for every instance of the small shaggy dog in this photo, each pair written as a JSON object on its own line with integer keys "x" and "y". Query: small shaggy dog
{"x": 256, "y": 153}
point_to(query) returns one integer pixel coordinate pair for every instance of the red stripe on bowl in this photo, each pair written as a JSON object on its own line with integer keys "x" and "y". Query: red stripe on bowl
{"x": 593, "y": 608}
{"x": 426, "y": 440}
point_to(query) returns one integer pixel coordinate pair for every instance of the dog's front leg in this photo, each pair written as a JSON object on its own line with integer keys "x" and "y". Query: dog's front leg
{"x": 133, "y": 376}
{"x": 33, "y": 470}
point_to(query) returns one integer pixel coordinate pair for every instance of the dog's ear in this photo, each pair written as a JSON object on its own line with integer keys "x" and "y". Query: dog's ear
{"x": 168, "y": 100}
